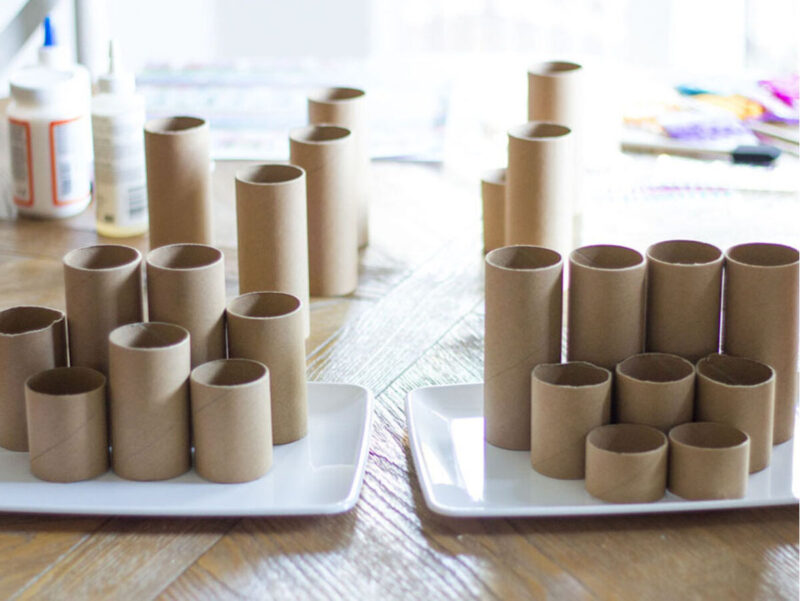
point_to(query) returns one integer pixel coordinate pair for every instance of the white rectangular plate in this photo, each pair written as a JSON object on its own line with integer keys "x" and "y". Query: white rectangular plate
{"x": 320, "y": 474}
{"x": 463, "y": 476}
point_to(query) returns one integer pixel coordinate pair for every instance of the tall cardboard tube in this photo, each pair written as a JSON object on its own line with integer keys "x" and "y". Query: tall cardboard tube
{"x": 539, "y": 191}
{"x": 268, "y": 327}
{"x": 66, "y": 408}
{"x": 493, "y": 198}
{"x": 272, "y": 229}
{"x": 231, "y": 420}
{"x": 326, "y": 154}
{"x": 708, "y": 460}
{"x": 149, "y": 390}
{"x": 760, "y": 319}
{"x": 32, "y": 339}
{"x": 555, "y": 93}
{"x": 186, "y": 286}
{"x": 103, "y": 286}
{"x": 741, "y": 393}
{"x": 655, "y": 389}
{"x": 605, "y": 322}
{"x": 523, "y": 329}
{"x": 568, "y": 400}
{"x": 347, "y": 107}
{"x": 626, "y": 463}
{"x": 178, "y": 161}
{"x": 684, "y": 290}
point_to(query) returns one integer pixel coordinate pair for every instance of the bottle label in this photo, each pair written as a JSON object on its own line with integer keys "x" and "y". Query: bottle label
{"x": 69, "y": 160}
{"x": 19, "y": 134}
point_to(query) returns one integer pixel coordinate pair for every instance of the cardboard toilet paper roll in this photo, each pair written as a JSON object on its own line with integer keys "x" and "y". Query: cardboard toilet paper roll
{"x": 708, "y": 460}
{"x": 178, "y": 180}
{"x": 66, "y": 409}
{"x": 149, "y": 391}
{"x": 760, "y": 319}
{"x": 186, "y": 286}
{"x": 32, "y": 339}
{"x": 523, "y": 329}
{"x": 271, "y": 225}
{"x": 539, "y": 193}
{"x": 268, "y": 327}
{"x": 231, "y": 420}
{"x": 103, "y": 286}
{"x": 555, "y": 93}
{"x": 605, "y": 322}
{"x": 347, "y": 107}
{"x": 741, "y": 393}
{"x": 655, "y": 389}
{"x": 626, "y": 463}
{"x": 684, "y": 288}
{"x": 326, "y": 154}
{"x": 568, "y": 400}
{"x": 493, "y": 197}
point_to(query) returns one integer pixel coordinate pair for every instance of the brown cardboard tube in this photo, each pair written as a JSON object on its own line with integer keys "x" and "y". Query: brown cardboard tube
{"x": 178, "y": 180}
{"x": 741, "y": 393}
{"x": 347, "y": 107}
{"x": 66, "y": 409}
{"x": 684, "y": 287}
{"x": 760, "y": 319}
{"x": 326, "y": 154}
{"x": 626, "y": 463}
{"x": 539, "y": 190}
{"x": 655, "y": 389}
{"x": 32, "y": 339}
{"x": 268, "y": 327}
{"x": 523, "y": 329}
{"x": 103, "y": 286}
{"x": 493, "y": 197}
{"x": 555, "y": 93}
{"x": 231, "y": 420}
{"x": 149, "y": 390}
{"x": 568, "y": 400}
{"x": 271, "y": 225}
{"x": 605, "y": 322}
{"x": 708, "y": 460}
{"x": 186, "y": 286}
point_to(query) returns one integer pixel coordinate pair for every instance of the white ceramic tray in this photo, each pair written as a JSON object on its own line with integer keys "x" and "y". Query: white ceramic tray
{"x": 463, "y": 476}
{"x": 320, "y": 474}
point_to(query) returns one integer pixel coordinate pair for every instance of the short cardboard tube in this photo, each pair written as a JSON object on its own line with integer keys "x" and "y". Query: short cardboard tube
{"x": 741, "y": 393}
{"x": 626, "y": 463}
{"x": 149, "y": 391}
{"x": 655, "y": 389}
{"x": 66, "y": 408}
{"x": 555, "y": 94}
{"x": 186, "y": 286}
{"x": 231, "y": 420}
{"x": 568, "y": 400}
{"x": 268, "y": 327}
{"x": 522, "y": 330}
{"x": 493, "y": 198}
{"x": 708, "y": 460}
{"x": 32, "y": 339}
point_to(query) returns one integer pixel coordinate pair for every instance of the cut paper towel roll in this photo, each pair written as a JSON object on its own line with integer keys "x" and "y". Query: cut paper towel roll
{"x": 493, "y": 198}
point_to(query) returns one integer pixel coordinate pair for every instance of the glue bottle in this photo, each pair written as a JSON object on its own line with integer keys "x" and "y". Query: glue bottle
{"x": 118, "y": 116}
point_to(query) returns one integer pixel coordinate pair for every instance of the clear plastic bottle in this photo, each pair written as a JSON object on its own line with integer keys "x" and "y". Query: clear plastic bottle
{"x": 120, "y": 186}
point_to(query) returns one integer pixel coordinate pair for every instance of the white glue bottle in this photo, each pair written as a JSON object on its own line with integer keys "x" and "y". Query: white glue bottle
{"x": 118, "y": 116}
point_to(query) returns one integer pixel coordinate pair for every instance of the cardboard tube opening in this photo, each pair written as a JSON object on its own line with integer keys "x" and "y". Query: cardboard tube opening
{"x": 607, "y": 256}
{"x": 761, "y": 254}
{"x": 576, "y": 373}
{"x": 735, "y": 371}
{"x": 627, "y": 438}
{"x": 66, "y": 380}
{"x": 173, "y": 125}
{"x": 229, "y": 372}
{"x": 554, "y": 68}
{"x": 656, "y": 367}
{"x": 336, "y": 94}
{"x": 261, "y": 305}
{"x": 539, "y": 130}
{"x": 149, "y": 335}
{"x": 495, "y": 176}
{"x": 708, "y": 435}
{"x": 684, "y": 252}
{"x": 102, "y": 256}
{"x": 27, "y": 318}
{"x": 269, "y": 173}
{"x": 523, "y": 257}
{"x": 319, "y": 134}
{"x": 184, "y": 256}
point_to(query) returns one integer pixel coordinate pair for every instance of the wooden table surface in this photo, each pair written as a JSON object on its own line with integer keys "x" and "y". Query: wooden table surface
{"x": 416, "y": 319}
